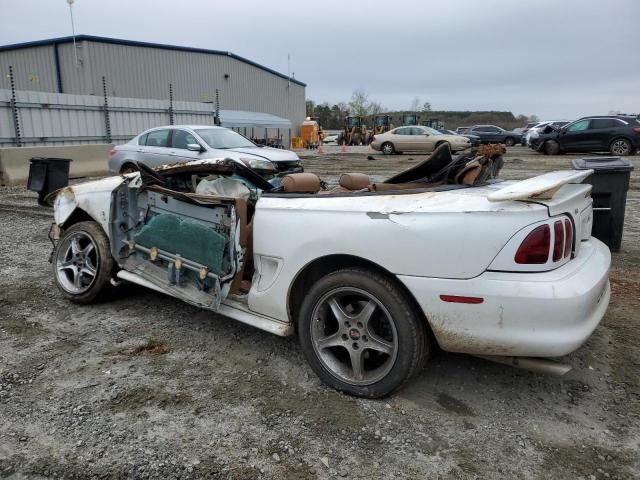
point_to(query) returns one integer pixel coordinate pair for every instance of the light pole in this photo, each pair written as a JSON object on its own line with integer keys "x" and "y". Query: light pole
{"x": 73, "y": 31}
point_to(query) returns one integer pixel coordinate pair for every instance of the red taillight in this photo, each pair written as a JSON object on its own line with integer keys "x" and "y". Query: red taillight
{"x": 568, "y": 237}
{"x": 112, "y": 152}
{"x": 535, "y": 248}
{"x": 558, "y": 238}
{"x": 637, "y": 129}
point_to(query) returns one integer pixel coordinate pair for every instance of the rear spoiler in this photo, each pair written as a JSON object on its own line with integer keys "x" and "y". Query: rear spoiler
{"x": 541, "y": 187}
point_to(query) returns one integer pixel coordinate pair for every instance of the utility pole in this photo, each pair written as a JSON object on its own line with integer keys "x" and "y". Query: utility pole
{"x": 73, "y": 31}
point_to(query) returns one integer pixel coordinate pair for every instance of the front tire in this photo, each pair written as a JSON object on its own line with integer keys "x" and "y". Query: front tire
{"x": 361, "y": 334}
{"x": 82, "y": 263}
{"x": 551, "y": 147}
{"x": 387, "y": 148}
{"x": 509, "y": 142}
{"x": 621, "y": 146}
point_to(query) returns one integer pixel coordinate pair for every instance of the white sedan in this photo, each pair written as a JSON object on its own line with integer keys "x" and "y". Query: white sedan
{"x": 417, "y": 138}
{"x": 368, "y": 275}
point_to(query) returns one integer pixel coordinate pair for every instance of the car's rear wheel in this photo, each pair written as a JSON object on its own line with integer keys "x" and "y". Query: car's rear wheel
{"x": 82, "y": 263}
{"x": 509, "y": 142}
{"x": 551, "y": 147}
{"x": 621, "y": 146}
{"x": 360, "y": 333}
{"x": 387, "y": 148}
{"x": 128, "y": 168}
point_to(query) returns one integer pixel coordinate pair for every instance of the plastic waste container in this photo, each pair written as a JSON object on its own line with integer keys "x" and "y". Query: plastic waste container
{"x": 610, "y": 182}
{"x": 47, "y": 175}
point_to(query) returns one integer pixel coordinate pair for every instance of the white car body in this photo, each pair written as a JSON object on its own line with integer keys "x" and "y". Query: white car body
{"x": 437, "y": 244}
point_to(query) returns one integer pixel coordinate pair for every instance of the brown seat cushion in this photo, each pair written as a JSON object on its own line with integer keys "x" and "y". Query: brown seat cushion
{"x": 354, "y": 181}
{"x": 301, "y": 183}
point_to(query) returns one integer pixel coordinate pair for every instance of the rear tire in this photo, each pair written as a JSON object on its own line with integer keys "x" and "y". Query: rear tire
{"x": 387, "y": 148}
{"x": 371, "y": 353}
{"x": 551, "y": 147}
{"x": 621, "y": 146}
{"x": 129, "y": 168}
{"x": 82, "y": 263}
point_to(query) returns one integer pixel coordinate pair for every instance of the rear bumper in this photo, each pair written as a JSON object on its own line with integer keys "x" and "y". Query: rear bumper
{"x": 545, "y": 314}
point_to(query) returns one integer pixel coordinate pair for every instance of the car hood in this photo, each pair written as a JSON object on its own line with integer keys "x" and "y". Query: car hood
{"x": 265, "y": 153}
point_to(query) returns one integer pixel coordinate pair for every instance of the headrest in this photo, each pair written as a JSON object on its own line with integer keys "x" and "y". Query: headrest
{"x": 301, "y": 183}
{"x": 354, "y": 181}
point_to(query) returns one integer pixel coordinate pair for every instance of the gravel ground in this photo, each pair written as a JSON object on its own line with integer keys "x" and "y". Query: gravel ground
{"x": 146, "y": 386}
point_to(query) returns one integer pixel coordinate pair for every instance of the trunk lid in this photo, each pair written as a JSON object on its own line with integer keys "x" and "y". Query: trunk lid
{"x": 561, "y": 192}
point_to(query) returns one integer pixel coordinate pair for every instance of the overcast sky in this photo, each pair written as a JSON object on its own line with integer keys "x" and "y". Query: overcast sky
{"x": 556, "y": 59}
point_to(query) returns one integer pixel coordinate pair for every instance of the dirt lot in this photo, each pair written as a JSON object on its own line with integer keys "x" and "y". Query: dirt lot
{"x": 146, "y": 386}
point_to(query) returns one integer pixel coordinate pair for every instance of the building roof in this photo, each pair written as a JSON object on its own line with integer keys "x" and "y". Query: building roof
{"x": 133, "y": 43}
{"x": 240, "y": 118}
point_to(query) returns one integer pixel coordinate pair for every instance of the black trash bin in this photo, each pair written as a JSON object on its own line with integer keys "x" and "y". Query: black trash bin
{"x": 610, "y": 182}
{"x": 47, "y": 175}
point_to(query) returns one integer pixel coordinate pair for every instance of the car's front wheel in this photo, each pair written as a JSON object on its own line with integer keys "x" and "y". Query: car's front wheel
{"x": 551, "y": 147}
{"x": 82, "y": 263}
{"x": 621, "y": 146}
{"x": 360, "y": 333}
{"x": 509, "y": 142}
{"x": 387, "y": 148}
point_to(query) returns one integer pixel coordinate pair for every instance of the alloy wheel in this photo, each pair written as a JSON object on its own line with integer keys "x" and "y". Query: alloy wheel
{"x": 76, "y": 262}
{"x": 354, "y": 336}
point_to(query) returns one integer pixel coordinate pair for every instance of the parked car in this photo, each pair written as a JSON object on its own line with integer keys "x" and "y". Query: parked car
{"x": 184, "y": 143}
{"x": 618, "y": 134}
{"x": 416, "y": 138}
{"x": 368, "y": 275}
{"x": 534, "y": 132}
{"x": 475, "y": 140}
{"x": 331, "y": 139}
{"x": 462, "y": 130}
{"x": 493, "y": 134}
{"x": 525, "y": 130}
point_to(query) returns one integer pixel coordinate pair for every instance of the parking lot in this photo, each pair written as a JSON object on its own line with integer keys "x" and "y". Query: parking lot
{"x": 146, "y": 386}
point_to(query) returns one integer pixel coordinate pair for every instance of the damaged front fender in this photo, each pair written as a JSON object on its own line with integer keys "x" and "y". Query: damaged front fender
{"x": 93, "y": 198}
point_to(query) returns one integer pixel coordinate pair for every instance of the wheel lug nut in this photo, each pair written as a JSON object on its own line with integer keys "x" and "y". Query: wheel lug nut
{"x": 344, "y": 336}
{"x": 360, "y": 325}
{"x": 356, "y": 346}
{"x": 347, "y": 324}
{"x": 364, "y": 338}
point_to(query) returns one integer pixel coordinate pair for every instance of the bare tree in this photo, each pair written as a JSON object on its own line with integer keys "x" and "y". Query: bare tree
{"x": 359, "y": 104}
{"x": 375, "y": 108}
{"x": 426, "y": 107}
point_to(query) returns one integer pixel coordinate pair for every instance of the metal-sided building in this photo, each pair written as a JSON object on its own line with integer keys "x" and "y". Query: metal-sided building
{"x": 145, "y": 70}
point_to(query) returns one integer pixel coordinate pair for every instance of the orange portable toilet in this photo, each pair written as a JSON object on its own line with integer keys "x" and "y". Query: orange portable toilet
{"x": 309, "y": 132}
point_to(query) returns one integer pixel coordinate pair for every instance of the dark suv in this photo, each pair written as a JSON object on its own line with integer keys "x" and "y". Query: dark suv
{"x": 619, "y": 134}
{"x": 493, "y": 134}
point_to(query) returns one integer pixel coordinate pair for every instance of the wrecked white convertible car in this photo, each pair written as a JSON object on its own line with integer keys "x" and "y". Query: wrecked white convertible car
{"x": 369, "y": 275}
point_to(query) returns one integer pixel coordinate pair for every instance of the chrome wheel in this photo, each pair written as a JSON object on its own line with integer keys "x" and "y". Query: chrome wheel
{"x": 387, "y": 149}
{"x": 76, "y": 262}
{"x": 354, "y": 336}
{"x": 620, "y": 147}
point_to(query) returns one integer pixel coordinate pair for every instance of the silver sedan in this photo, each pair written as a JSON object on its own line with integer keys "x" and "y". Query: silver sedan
{"x": 185, "y": 143}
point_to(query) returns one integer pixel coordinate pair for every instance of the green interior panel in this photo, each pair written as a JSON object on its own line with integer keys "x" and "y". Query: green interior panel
{"x": 191, "y": 240}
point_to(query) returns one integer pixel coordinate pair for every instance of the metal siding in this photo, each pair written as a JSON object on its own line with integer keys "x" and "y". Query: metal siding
{"x": 34, "y": 69}
{"x": 145, "y": 73}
